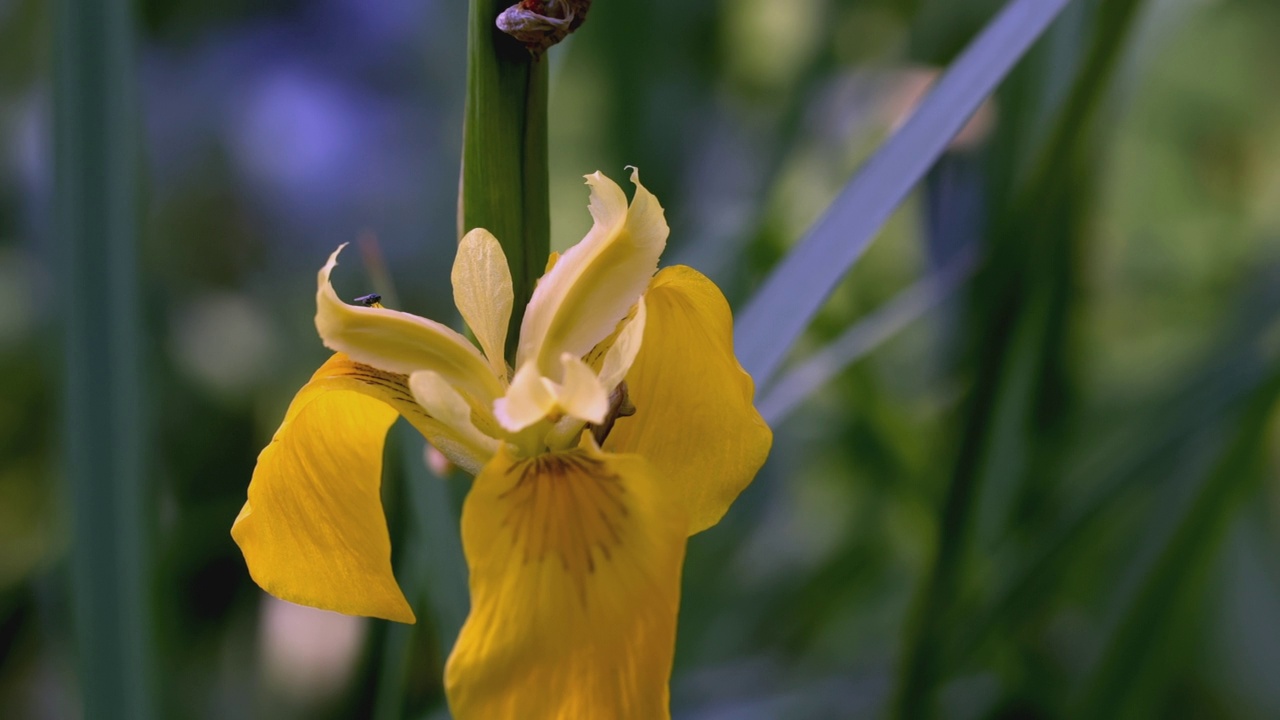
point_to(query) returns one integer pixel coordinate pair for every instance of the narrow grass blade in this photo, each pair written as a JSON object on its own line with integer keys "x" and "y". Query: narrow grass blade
{"x": 1134, "y": 655}
{"x": 1025, "y": 295}
{"x": 781, "y": 310}
{"x": 95, "y": 141}
{"x": 862, "y": 338}
{"x": 1123, "y": 466}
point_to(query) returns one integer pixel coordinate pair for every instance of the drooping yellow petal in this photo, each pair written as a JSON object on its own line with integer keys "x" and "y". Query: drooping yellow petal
{"x": 594, "y": 284}
{"x": 313, "y": 530}
{"x": 400, "y": 342}
{"x": 694, "y": 417}
{"x": 482, "y": 291}
{"x": 575, "y": 562}
{"x": 448, "y": 407}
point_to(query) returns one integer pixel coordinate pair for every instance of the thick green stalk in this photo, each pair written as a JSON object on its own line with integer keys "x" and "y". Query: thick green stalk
{"x": 95, "y": 142}
{"x": 504, "y": 151}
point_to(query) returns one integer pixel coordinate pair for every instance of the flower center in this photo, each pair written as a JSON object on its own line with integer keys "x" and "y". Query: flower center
{"x": 564, "y": 432}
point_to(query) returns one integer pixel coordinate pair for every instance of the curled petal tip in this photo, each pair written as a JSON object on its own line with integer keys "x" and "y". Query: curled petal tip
{"x": 331, "y": 263}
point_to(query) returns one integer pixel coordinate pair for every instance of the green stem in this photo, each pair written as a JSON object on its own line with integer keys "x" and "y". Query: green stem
{"x": 95, "y": 140}
{"x": 504, "y": 153}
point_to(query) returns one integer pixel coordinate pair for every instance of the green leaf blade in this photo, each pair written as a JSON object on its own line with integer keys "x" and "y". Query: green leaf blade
{"x": 792, "y": 295}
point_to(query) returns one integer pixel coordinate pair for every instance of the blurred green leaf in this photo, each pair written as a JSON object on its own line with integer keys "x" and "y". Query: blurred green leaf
{"x": 780, "y": 311}
{"x": 1020, "y": 339}
{"x": 1136, "y": 453}
{"x": 859, "y": 339}
{"x": 1140, "y": 647}
{"x": 96, "y": 130}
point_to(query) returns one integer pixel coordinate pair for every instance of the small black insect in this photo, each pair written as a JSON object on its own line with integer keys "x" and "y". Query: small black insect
{"x": 370, "y": 300}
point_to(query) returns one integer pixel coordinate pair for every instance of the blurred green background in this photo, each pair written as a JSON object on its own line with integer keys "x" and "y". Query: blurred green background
{"x": 1056, "y": 494}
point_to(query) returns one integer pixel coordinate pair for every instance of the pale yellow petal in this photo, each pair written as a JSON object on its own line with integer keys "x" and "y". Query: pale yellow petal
{"x": 313, "y": 530}
{"x": 575, "y": 562}
{"x": 593, "y": 285}
{"x": 581, "y": 394}
{"x": 447, "y": 406}
{"x": 482, "y": 291}
{"x": 694, "y": 417}
{"x": 528, "y": 400}
{"x": 399, "y": 342}
{"x": 623, "y": 349}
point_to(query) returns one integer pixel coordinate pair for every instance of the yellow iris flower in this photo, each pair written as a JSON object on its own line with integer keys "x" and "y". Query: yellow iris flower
{"x": 575, "y": 527}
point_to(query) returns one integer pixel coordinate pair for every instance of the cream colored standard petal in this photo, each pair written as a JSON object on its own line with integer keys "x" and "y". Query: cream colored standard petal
{"x": 624, "y": 348}
{"x": 528, "y": 400}
{"x": 575, "y": 561}
{"x": 399, "y": 342}
{"x": 447, "y": 406}
{"x": 532, "y": 397}
{"x": 581, "y": 394}
{"x": 482, "y": 291}
{"x": 593, "y": 285}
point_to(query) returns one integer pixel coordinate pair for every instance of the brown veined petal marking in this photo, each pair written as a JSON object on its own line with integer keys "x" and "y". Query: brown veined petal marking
{"x": 583, "y": 513}
{"x": 575, "y": 564}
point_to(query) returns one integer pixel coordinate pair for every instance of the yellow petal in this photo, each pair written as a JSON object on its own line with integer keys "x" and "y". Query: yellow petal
{"x": 594, "y": 284}
{"x": 448, "y": 407}
{"x": 575, "y": 564}
{"x": 694, "y": 416}
{"x": 313, "y": 530}
{"x": 398, "y": 341}
{"x": 482, "y": 291}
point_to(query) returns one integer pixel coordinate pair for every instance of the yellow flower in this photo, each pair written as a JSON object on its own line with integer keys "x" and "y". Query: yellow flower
{"x": 627, "y": 426}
